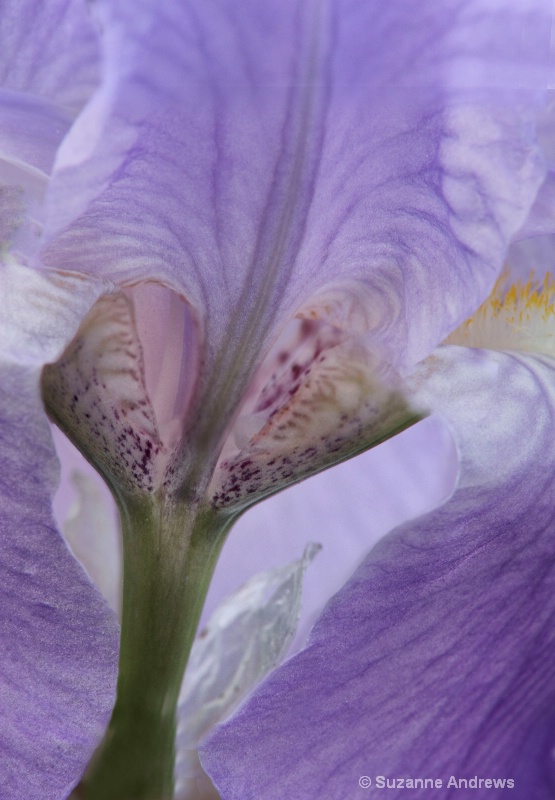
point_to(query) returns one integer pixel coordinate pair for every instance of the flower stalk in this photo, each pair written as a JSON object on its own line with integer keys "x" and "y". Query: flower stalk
{"x": 170, "y": 550}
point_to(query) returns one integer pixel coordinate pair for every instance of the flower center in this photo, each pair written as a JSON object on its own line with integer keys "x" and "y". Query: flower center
{"x": 516, "y": 316}
{"x": 125, "y": 392}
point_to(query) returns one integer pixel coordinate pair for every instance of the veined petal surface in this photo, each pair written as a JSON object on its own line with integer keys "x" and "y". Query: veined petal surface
{"x": 58, "y": 660}
{"x": 241, "y": 643}
{"x": 49, "y": 66}
{"x": 249, "y": 154}
{"x": 541, "y": 220}
{"x": 49, "y": 50}
{"x": 347, "y": 509}
{"x": 31, "y": 130}
{"x": 436, "y": 659}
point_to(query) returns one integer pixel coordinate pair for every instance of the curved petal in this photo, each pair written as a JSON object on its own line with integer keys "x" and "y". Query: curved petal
{"x": 249, "y": 154}
{"x": 541, "y": 220}
{"x": 49, "y": 50}
{"x": 347, "y": 509}
{"x": 242, "y": 642}
{"x": 534, "y": 254}
{"x": 55, "y": 698}
{"x": 91, "y": 529}
{"x": 436, "y": 660}
{"x": 31, "y": 130}
{"x": 49, "y": 66}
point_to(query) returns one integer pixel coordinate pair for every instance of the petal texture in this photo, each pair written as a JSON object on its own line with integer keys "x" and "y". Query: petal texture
{"x": 436, "y": 659}
{"x": 242, "y": 642}
{"x": 249, "y": 154}
{"x": 541, "y": 219}
{"x": 347, "y": 509}
{"x": 58, "y": 660}
{"x": 92, "y": 531}
{"x": 31, "y": 130}
{"x": 49, "y": 50}
{"x": 49, "y": 66}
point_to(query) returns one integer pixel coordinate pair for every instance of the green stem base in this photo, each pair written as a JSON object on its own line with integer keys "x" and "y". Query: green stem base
{"x": 170, "y": 552}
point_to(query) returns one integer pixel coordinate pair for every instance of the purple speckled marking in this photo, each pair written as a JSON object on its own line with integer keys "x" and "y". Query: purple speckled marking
{"x": 96, "y": 394}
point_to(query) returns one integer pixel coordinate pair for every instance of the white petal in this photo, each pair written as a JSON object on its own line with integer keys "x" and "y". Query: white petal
{"x": 241, "y": 643}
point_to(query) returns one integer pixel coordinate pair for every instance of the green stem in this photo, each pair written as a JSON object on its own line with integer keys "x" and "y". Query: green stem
{"x": 169, "y": 555}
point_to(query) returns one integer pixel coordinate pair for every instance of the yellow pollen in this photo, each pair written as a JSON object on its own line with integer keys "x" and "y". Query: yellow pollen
{"x": 516, "y": 316}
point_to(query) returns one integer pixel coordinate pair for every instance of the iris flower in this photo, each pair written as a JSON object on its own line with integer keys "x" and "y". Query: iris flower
{"x": 234, "y": 234}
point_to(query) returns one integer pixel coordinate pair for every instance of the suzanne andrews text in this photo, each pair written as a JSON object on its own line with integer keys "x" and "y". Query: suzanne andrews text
{"x": 383, "y": 782}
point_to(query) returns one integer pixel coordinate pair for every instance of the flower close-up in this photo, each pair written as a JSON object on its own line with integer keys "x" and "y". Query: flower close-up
{"x": 243, "y": 242}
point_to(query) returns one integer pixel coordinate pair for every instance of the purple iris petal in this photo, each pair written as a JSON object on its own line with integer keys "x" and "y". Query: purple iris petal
{"x": 31, "y": 131}
{"x": 49, "y": 50}
{"x": 541, "y": 220}
{"x": 49, "y": 66}
{"x": 58, "y": 653}
{"x": 59, "y": 639}
{"x": 248, "y": 154}
{"x": 346, "y": 509}
{"x": 436, "y": 659}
